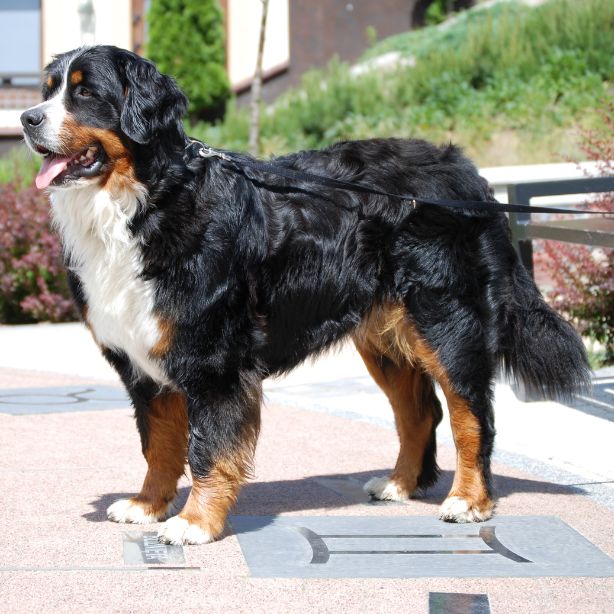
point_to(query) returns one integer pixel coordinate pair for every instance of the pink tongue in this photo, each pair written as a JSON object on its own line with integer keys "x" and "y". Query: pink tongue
{"x": 51, "y": 168}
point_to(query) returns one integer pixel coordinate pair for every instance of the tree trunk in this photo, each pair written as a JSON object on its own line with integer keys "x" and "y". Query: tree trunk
{"x": 254, "y": 125}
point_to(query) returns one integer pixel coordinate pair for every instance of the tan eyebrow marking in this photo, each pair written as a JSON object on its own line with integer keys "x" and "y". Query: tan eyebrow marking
{"x": 50, "y": 82}
{"x": 76, "y": 77}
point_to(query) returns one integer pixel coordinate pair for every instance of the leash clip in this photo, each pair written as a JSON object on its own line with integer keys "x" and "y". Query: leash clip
{"x": 208, "y": 152}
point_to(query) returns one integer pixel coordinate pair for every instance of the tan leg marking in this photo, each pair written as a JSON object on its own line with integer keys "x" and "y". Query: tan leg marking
{"x": 202, "y": 518}
{"x": 389, "y": 358}
{"x": 468, "y": 499}
{"x": 390, "y": 332}
{"x": 166, "y": 457}
{"x": 403, "y": 387}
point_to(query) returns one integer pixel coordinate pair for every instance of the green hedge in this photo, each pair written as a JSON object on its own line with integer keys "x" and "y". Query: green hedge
{"x": 186, "y": 40}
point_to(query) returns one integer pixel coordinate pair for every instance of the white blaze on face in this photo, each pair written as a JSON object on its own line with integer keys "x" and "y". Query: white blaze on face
{"x": 54, "y": 111}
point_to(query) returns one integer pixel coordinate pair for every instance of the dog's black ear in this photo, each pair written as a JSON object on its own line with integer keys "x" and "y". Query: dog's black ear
{"x": 153, "y": 105}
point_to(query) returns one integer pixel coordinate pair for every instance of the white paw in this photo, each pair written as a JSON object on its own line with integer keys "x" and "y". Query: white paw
{"x": 128, "y": 510}
{"x": 457, "y": 509}
{"x": 385, "y": 490}
{"x": 178, "y": 531}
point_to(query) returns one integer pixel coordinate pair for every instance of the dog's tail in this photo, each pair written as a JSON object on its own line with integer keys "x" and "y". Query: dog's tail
{"x": 536, "y": 346}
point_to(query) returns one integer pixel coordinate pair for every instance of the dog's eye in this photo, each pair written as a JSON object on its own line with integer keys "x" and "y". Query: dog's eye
{"x": 83, "y": 91}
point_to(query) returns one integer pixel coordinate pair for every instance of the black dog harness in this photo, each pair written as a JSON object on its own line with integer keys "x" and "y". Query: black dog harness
{"x": 238, "y": 162}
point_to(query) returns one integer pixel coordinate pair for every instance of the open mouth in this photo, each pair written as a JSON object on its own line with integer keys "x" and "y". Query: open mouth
{"x": 58, "y": 169}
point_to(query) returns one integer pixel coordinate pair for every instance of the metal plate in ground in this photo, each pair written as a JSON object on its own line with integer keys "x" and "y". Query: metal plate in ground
{"x": 144, "y": 548}
{"x": 22, "y": 401}
{"x": 415, "y": 546}
{"x": 458, "y": 603}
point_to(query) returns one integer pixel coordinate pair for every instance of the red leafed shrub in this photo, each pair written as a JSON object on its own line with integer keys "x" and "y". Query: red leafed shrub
{"x": 33, "y": 284}
{"x": 583, "y": 277}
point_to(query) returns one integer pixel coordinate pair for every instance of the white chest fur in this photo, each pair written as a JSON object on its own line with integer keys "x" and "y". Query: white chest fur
{"x": 107, "y": 259}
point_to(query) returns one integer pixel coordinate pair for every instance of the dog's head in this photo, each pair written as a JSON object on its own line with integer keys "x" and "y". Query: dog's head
{"x": 100, "y": 105}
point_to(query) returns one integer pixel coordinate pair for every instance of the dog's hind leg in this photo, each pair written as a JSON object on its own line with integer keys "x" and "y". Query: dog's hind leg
{"x": 223, "y": 422}
{"x": 461, "y": 366}
{"x": 416, "y": 412}
{"x": 469, "y": 499}
{"x": 457, "y": 359}
{"x": 163, "y": 425}
{"x": 416, "y": 408}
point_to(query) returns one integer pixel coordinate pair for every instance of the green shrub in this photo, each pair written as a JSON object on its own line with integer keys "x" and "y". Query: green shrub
{"x": 436, "y": 12}
{"x": 186, "y": 40}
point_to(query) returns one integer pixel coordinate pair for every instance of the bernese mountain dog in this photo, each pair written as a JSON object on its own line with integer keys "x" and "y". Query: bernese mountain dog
{"x": 198, "y": 279}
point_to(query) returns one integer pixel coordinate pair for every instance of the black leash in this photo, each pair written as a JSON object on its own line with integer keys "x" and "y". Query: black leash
{"x": 197, "y": 148}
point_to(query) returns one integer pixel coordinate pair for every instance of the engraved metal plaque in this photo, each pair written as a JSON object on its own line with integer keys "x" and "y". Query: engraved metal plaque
{"x": 144, "y": 549}
{"x": 458, "y": 603}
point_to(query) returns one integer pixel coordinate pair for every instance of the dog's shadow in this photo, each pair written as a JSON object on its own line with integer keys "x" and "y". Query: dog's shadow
{"x": 335, "y": 491}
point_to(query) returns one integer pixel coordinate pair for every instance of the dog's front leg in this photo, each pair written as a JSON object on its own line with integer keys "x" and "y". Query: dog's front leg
{"x": 162, "y": 421}
{"x": 163, "y": 427}
{"x": 224, "y": 421}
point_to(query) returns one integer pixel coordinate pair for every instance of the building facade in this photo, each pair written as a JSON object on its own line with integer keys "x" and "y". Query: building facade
{"x": 300, "y": 35}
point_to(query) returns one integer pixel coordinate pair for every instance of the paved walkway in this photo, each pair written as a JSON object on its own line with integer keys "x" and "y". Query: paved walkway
{"x": 325, "y": 431}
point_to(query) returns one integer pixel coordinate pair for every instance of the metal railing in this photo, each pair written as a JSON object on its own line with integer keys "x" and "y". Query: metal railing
{"x": 597, "y": 231}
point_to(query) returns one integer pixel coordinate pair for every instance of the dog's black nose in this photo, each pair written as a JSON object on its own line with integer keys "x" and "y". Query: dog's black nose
{"x": 32, "y": 118}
